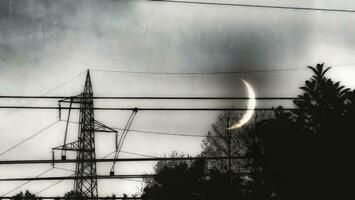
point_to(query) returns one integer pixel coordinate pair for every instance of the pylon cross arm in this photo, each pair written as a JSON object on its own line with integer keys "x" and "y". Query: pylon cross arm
{"x": 73, "y": 146}
{"x": 100, "y": 127}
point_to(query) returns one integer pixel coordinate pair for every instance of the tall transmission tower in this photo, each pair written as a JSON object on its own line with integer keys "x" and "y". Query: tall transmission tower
{"x": 86, "y": 139}
{"x": 85, "y": 183}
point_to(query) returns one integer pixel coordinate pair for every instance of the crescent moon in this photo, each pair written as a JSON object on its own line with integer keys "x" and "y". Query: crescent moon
{"x": 250, "y": 106}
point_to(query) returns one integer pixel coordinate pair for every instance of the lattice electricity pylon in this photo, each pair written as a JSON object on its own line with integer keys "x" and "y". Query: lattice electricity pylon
{"x": 85, "y": 184}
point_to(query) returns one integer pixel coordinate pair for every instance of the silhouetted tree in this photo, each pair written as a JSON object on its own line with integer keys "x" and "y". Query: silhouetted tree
{"x": 224, "y": 142}
{"x": 301, "y": 154}
{"x": 190, "y": 181}
{"x": 174, "y": 180}
{"x": 243, "y": 142}
{"x": 322, "y": 101}
{"x": 72, "y": 195}
{"x": 323, "y": 115}
{"x": 26, "y": 196}
{"x": 272, "y": 153}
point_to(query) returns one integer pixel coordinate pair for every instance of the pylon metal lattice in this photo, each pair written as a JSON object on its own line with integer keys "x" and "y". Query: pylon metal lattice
{"x": 85, "y": 183}
{"x": 86, "y": 165}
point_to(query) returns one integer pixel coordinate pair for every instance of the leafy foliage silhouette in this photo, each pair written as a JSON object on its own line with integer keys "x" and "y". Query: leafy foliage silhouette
{"x": 26, "y": 196}
{"x": 300, "y": 154}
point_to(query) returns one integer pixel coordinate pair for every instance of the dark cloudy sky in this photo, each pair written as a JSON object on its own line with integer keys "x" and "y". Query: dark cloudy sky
{"x": 45, "y": 47}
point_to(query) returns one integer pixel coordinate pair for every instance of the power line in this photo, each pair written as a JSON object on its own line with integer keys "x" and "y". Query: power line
{"x": 257, "y": 6}
{"x": 196, "y": 73}
{"x": 158, "y": 132}
{"x": 28, "y": 181}
{"x": 69, "y": 170}
{"x": 63, "y": 83}
{"x": 64, "y": 169}
{"x": 138, "y": 154}
{"x": 121, "y": 176}
{"x": 17, "y": 162}
{"x": 147, "y": 97}
{"x": 20, "y": 143}
{"x": 56, "y": 183}
{"x": 70, "y": 198}
{"x": 126, "y": 152}
{"x": 55, "y": 88}
{"x": 72, "y": 177}
{"x": 48, "y": 187}
{"x": 216, "y": 72}
{"x": 142, "y": 109}
{"x": 29, "y": 138}
{"x": 166, "y": 133}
